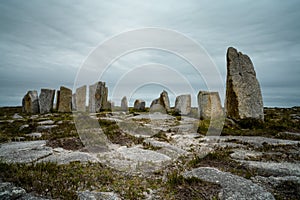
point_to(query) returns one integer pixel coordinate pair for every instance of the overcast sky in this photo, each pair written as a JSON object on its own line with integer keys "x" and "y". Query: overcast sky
{"x": 44, "y": 43}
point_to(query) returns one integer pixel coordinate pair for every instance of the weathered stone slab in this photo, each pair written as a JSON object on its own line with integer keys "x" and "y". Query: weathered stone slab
{"x": 57, "y": 99}
{"x": 140, "y": 105}
{"x": 124, "y": 104}
{"x": 183, "y": 104}
{"x": 65, "y": 100}
{"x": 243, "y": 93}
{"x": 74, "y": 105}
{"x": 97, "y": 96}
{"x": 233, "y": 187}
{"x": 164, "y": 99}
{"x": 161, "y": 104}
{"x": 209, "y": 105}
{"x": 81, "y": 99}
{"x": 30, "y": 102}
{"x": 46, "y": 99}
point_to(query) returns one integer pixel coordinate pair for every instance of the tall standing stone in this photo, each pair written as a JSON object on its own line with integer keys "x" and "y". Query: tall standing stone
{"x": 57, "y": 99}
{"x": 65, "y": 100}
{"x": 46, "y": 99}
{"x": 243, "y": 94}
{"x": 30, "y": 102}
{"x": 124, "y": 104}
{"x": 81, "y": 99}
{"x": 209, "y": 105}
{"x": 98, "y": 94}
{"x": 140, "y": 105}
{"x": 164, "y": 100}
{"x": 183, "y": 104}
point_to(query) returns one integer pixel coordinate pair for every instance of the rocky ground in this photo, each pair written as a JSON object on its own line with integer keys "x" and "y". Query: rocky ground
{"x": 116, "y": 155}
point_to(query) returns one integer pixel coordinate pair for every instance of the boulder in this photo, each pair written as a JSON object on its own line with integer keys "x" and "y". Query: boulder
{"x": 81, "y": 99}
{"x": 46, "y": 99}
{"x": 97, "y": 96}
{"x": 158, "y": 108}
{"x": 140, "y": 105}
{"x": 65, "y": 100}
{"x": 209, "y": 105}
{"x": 243, "y": 93}
{"x": 124, "y": 104}
{"x": 161, "y": 104}
{"x": 183, "y": 104}
{"x": 30, "y": 102}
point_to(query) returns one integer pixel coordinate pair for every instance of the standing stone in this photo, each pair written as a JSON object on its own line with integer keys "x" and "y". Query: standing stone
{"x": 97, "y": 96}
{"x": 183, "y": 104}
{"x": 65, "y": 100}
{"x": 164, "y": 100}
{"x": 139, "y": 104}
{"x": 74, "y": 105}
{"x": 57, "y": 98}
{"x": 162, "y": 104}
{"x": 209, "y": 105}
{"x": 124, "y": 104}
{"x": 30, "y": 102}
{"x": 243, "y": 94}
{"x": 81, "y": 99}
{"x": 46, "y": 99}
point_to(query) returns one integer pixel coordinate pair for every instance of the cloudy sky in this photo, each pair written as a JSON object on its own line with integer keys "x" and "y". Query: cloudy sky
{"x": 44, "y": 44}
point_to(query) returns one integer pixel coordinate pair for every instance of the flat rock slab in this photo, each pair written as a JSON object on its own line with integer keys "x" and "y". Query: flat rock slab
{"x": 255, "y": 141}
{"x": 233, "y": 187}
{"x": 87, "y": 195}
{"x": 65, "y": 157}
{"x": 24, "y": 152}
{"x": 273, "y": 168}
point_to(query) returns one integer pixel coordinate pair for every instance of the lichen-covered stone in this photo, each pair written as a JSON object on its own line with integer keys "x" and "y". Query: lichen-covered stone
{"x": 30, "y": 102}
{"x": 65, "y": 100}
{"x": 46, "y": 99}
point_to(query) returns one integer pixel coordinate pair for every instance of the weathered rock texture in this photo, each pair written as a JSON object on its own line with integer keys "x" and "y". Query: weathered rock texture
{"x": 209, "y": 105}
{"x": 81, "y": 99}
{"x": 139, "y": 104}
{"x": 74, "y": 105}
{"x": 97, "y": 96}
{"x": 183, "y": 104}
{"x": 30, "y": 102}
{"x": 46, "y": 99}
{"x": 243, "y": 94}
{"x": 162, "y": 104}
{"x": 65, "y": 100}
{"x": 57, "y": 99}
{"x": 124, "y": 104}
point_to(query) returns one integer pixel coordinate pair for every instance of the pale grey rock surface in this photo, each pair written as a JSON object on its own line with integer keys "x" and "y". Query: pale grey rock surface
{"x": 81, "y": 98}
{"x": 209, "y": 105}
{"x": 46, "y": 99}
{"x": 183, "y": 104}
{"x": 98, "y": 94}
{"x": 243, "y": 93}
{"x": 124, "y": 104}
{"x": 90, "y": 195}
{"x": 233, "y": 187}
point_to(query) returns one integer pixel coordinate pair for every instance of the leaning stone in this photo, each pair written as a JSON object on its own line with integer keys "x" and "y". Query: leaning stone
{"x": 124, "y": 104}
{"x": 139, "y": 104}
{"x": 243, "y": 94}
{"x": 46, "y": 99}
{"x": 164, "y": 99}
{"x": 65, "y": 100}
{"x": 233, "y": 187}
{"x": 81, "y": 99}
{"x": 183, "y": 104}
{"x": 98, "y": 94}
{"x": 30, "y": 102}
{"x": 209, "y": 105}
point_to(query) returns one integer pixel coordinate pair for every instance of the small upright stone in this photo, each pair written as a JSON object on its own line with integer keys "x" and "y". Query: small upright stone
{"x": 81, "y": 99}
{"x": 30, "y": 102}
{"x": 46, "y": 99}
{"x": 65, "y": 100}
{"x": 57, "y": 99}
{"x": 139, "y": 104}
{"x": 183, "y": 104}
{"x": 243, "y": 94}
{"x": 124, "y": 104}
{"x": 209, "y": 105}
{"x": 98, "y": 94}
